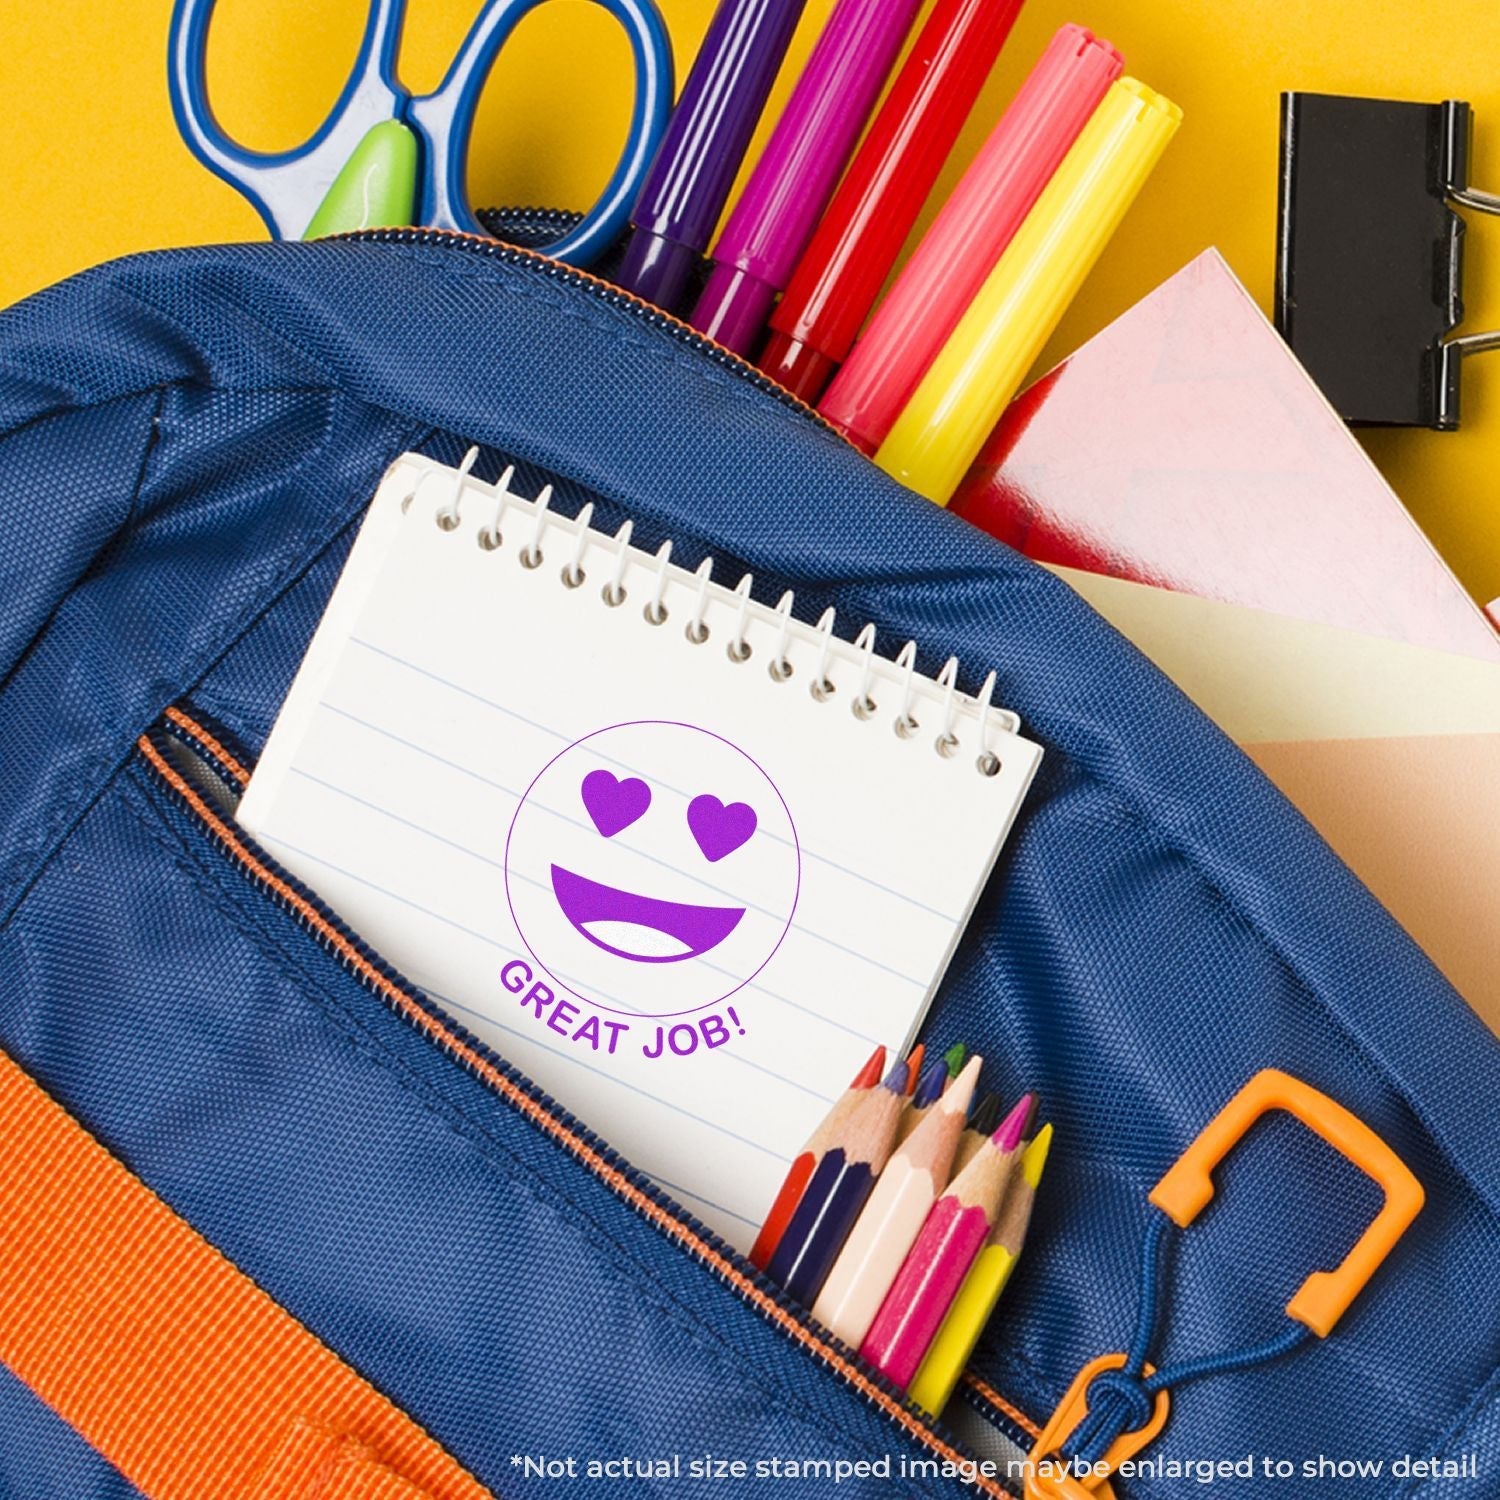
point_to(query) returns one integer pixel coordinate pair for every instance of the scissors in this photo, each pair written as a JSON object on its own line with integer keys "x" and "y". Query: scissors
{"x": 385, "y": 156}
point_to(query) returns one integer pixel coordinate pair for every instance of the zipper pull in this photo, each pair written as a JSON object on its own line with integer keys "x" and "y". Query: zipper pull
{"x": 1053, "y": 1477}
{"x": 1129, "y": 1396}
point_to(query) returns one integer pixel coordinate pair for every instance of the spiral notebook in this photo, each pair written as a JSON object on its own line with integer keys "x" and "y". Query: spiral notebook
{"x": 679, "y": 856}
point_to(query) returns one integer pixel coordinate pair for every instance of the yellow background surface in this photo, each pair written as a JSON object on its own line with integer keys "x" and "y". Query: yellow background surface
{"x": 96, "y": 169}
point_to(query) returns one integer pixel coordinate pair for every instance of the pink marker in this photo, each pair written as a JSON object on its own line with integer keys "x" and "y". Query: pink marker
{"x": 955, "y": 1232}
{"x": 968, "y": 236}
{"x": 795, "y": 176}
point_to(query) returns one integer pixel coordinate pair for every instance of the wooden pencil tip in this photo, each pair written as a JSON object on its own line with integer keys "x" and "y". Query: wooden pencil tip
{"x": 1008, "y": 1136}
{"x": 914, "y": 1066}
{"x": 986, "y": 1114}
{"x": 1034, "y": 1157}
{"x": 895, "y": 1080}
{"x": 869, "y": 1075}
{"x": 954, "y": 1059}
{"x": 930, "y": 1086}
{"x": 961, "y": 1091}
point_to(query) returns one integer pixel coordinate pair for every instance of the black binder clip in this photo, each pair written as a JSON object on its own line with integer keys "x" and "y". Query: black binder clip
{"x": 1369, "y": 253}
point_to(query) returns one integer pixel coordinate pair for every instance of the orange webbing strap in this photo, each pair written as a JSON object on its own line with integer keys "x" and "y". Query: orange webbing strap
{"x": 170, "y": 1362}
{"x": 314, "y": 1463}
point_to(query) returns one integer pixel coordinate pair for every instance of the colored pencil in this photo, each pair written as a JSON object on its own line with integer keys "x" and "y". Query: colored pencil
{"x": 914, "y": 1067}
{"x": 799, "y": 1174}
{"x": 981, "y": 1126}
{"x": 928, "y": 1091}
{"x": 983, "y": 1285}
{"x": 955, "y": 1057}
{"x": 894, "y": 1216}
{"x": 950, "y": 1240}
{"x": 839, "y": 1188}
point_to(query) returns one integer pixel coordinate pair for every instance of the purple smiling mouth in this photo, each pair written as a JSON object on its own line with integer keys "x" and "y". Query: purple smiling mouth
{"x": 586, "y": 903}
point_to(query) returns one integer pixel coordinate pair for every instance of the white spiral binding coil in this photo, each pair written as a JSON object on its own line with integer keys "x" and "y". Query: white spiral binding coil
{"x": 908, "y": 697}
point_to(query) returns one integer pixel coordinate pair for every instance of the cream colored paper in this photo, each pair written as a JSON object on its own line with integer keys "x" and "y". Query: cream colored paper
{"x": 1391, "y": 751}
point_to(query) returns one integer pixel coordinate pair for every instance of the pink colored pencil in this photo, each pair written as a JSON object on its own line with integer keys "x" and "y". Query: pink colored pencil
{"x": 932, "y": 1273}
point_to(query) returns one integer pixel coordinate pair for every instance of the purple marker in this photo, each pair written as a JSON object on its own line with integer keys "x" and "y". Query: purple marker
{"x": 792, "y": 182}
{"x": 700, "y": 154}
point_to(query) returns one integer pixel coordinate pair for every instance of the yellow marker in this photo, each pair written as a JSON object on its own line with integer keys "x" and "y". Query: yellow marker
{"x": 942, "y": 428}
{"x": 977, "y": 1297}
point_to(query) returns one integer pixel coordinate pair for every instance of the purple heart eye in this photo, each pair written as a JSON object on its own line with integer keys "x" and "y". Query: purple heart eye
{"x": 614, "y": 804}
{"x": 717, "y": 829}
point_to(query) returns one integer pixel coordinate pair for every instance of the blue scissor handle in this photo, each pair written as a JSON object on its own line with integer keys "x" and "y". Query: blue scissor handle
{"x": 285, "y": 186}
{"x": 444, "y": 120}
{"x": 288, "y": 186}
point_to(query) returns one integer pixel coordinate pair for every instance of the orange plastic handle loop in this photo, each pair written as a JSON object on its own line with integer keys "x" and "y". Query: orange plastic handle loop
{"x": 1322, "y": 1299}
{"x": 1070, "y": 1411}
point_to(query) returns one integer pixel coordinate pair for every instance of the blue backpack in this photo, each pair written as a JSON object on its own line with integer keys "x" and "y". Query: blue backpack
{"x": 189, "y": 439}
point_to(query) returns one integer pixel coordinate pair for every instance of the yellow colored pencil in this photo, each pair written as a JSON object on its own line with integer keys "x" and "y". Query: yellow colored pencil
{"x": 982, "y": 1287}
{"x": 942, "y": 428}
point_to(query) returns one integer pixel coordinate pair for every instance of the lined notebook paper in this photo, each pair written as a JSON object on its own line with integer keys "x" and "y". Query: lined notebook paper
{"x": 681, "y": 858}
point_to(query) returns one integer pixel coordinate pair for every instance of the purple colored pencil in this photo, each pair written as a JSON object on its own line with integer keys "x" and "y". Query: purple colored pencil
{"x": 792, "y": 182}
{"x": 706, "y": 140}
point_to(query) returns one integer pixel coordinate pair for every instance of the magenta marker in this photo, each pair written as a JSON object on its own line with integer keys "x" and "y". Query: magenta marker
{"x": 792, "y": 182}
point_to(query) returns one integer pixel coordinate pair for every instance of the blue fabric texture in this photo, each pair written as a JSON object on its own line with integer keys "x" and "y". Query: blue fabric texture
{"x": 42, "y": 1458}
{"x": 186, "y": 444}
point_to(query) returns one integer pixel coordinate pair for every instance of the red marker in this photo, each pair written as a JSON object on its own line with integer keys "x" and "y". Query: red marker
{"x": 846, "y": 263}
{"x": 969, "y": 235}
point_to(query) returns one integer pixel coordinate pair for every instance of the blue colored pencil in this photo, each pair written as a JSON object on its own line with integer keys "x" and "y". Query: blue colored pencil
{"x": 838, "y": 1191}
{"x": 929, "y": 1090}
